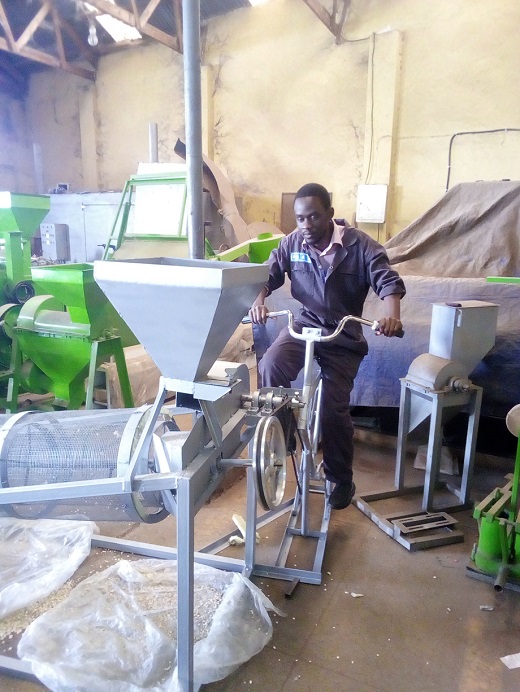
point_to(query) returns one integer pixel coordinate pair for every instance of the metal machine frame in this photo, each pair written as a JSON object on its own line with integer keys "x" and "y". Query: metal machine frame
{"x": 185, "y": 482}
{"x": 433, "y": 526}
{"x": 437, "y": 386}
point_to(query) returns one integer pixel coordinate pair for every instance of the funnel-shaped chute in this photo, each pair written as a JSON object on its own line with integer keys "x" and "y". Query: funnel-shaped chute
{"x": 463, "y": 331}
{"x": 182, "y": 311}
{"x": 460, "y": 336}
{"x": 22, "y": 213}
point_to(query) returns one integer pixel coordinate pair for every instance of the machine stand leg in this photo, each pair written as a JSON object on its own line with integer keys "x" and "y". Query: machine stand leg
{"x": 101, "y": 351}
{"x": 185, "y": 581}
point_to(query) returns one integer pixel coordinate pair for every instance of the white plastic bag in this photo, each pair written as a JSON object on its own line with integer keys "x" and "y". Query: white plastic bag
{"x": 38, "y": 557}
{"x": 117, "y": 629}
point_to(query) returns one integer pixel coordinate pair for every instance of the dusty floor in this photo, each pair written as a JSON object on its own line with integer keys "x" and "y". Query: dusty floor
{"x": 419, "y": 624}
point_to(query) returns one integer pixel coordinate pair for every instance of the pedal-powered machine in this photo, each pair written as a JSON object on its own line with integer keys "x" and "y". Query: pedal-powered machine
{"x": 137, "y": 465}
{"x": 495, "y": 557}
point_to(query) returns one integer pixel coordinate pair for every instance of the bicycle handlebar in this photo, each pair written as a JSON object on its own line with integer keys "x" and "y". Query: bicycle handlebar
{"x": 373, "y": 324}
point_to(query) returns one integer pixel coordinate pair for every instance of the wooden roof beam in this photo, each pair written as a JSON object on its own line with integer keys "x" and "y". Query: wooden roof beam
{"x": 30, "y": 29}
{"x": 57, "y": 32}
{"x": 90, "y": 55}
{"x": 49, "y": 60}
{"x": 148, "y": 11}
{"x": 177, "y": 13}
{"x": 6, "y": 27}
{"x": 335, "y": 20}
{"x": 19, "y": 46}
{"x": 132, "y": 19}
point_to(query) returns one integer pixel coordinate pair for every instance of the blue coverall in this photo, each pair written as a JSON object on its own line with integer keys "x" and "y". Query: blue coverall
{"x": 360, "y": 263}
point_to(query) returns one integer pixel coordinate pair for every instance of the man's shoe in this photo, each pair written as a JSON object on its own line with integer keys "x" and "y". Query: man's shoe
{"x": 342, "y": 495}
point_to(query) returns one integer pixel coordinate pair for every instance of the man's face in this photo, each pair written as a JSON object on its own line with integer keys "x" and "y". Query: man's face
{"x": 313, "y": 220}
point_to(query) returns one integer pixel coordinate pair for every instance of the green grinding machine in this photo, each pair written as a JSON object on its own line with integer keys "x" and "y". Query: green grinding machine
{"x": 20, "y": 216}
{"x": 496, "y": 555}
{"x": 56, "y": 325}
{"x": 67, "y": 332}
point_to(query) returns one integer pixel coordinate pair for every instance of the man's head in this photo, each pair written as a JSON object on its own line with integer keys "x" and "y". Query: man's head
{"x": 313, "y": 213}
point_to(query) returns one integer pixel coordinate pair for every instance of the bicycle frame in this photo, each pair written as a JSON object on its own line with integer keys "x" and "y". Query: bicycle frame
{"x": 310, "y": 481}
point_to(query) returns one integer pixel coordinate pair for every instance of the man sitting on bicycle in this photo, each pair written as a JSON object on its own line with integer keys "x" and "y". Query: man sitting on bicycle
{"x": 331, "y": 268}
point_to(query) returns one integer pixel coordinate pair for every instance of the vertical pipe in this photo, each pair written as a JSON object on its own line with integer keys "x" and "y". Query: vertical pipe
{"x": 153, "y": 143}
{"x": 193, "y": 118}
{"x": 185, "y": 584}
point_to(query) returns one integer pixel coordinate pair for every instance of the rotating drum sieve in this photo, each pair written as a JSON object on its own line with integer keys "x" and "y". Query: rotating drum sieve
{"x": 86, "y": 452}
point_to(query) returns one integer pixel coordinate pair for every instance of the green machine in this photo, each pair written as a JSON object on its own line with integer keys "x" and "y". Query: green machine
{"x": 496, "y": 555}
{"x": 151, "y": 221}
{"x": 67, "y": 332}
{"x": 20, "y": 216}
{"x": 56, "y": 325}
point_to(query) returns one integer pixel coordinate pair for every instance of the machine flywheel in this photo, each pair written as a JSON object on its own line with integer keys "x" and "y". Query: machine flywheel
{"x": 269, "y": 462}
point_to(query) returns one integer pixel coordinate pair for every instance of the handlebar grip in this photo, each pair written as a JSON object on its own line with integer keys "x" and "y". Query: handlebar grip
{"x": 270, "y": 315}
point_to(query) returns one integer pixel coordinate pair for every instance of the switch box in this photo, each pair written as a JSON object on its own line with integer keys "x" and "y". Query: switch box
{"x": 55, "y": 241}
{"x": 371, "y": 203}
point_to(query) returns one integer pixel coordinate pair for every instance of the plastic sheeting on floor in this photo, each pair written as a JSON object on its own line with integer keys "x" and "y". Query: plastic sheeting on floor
{"x": 38, "y": 557}
{"x": 117, "y": 630}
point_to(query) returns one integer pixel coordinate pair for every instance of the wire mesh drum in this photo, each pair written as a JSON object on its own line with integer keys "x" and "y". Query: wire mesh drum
{"x": 39, "y": 449}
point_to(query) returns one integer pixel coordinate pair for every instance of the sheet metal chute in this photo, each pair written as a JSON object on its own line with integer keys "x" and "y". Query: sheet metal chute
{"x": 460, "y": 336}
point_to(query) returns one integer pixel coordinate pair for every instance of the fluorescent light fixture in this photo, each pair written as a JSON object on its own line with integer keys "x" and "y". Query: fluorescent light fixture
{"x": 115, "y": 27}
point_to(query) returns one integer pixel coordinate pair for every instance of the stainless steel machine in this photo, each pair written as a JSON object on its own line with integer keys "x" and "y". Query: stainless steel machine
{"x": 137, "y": 465}
{"x": 437, "y": 386}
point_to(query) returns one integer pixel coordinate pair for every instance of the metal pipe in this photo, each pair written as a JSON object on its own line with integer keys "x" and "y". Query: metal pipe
{"x": 153, "y": 143}
{"x": 193, "y": 118}
{"x": 501, "y": 578}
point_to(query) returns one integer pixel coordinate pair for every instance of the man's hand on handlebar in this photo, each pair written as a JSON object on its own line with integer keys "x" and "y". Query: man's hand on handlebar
{"x": 258, "y": 314}
{"x": 389, "y": 326}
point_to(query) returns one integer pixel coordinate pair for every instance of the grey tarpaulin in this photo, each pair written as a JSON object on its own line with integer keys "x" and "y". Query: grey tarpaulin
{"x": 472, "y": 231}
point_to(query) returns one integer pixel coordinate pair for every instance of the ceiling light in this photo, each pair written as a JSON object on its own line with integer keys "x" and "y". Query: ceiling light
{"x": 92, "y": 36}
{"x": 118, "y": 30}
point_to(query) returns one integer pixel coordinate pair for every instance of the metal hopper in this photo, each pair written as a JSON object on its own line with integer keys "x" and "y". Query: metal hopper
{"x": 182, "y": 311}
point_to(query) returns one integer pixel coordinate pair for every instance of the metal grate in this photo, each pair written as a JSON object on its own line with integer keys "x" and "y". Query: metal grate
{"x": 69, "y": 447}
{"x": 59, "y": 448}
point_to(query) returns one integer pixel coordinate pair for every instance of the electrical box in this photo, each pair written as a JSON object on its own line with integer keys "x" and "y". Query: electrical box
{"x": 371, "y": 203}
{"x": 55, "y": 242}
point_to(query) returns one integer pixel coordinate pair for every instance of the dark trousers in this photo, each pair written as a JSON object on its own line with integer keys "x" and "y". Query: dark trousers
{"x": 280, "y": 366}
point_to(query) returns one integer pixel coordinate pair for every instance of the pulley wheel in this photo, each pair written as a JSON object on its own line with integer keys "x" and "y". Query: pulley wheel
{"x": 513, "y": 420}
{"x": 269, "y": 462}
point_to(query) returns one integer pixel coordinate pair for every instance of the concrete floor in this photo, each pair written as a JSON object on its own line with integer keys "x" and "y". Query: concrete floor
{"x": 419, "y": 624}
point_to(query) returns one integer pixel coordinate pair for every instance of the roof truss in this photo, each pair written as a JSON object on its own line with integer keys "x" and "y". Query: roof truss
{"x": 48, "y": 16}
{"x": 334, "y": 19}
{"x": 20, "y": 44}
{"x": 46, "y": 33}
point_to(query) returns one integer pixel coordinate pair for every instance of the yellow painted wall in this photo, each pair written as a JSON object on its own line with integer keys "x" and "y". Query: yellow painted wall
{"x": 291, "y": 106}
